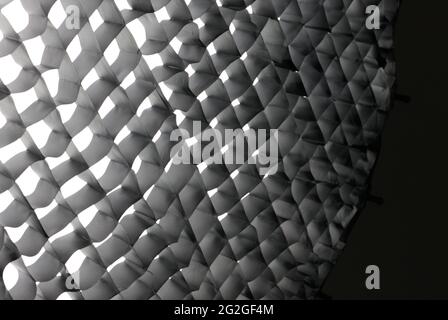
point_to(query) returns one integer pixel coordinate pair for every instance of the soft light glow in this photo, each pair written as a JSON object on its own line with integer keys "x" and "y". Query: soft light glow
{"x": 106, "y": 108}
{"x": 137, "y": 30}
{"x": 122, "y": 135}
{"x": 72, "y": 186}
{"x": 87, "y": 215}
{"x": 35, "y": 48}
{"x": 42, "y": 212}
{"x": 57, "y": 14}
{"x": 10, "y": 69}
{"x": 75, "y": 261}
{"x": 39, "y": 132}
{"x": 23, "y": 100}
{"x": 162, "y": 15}
{"x": 96, "y": 20}
{"x": 9, "y": 151}
{"x": 28, "y": 181}
{"x": 122, "y": 5}
{"x": 99, "y": 168}
{"x": 145, "y": 105}
{"x": 66, "y": 111}
{"x": 10, "y": 276}
{"x": 53, "y": 162}
{"x": 112, "y": 52}
{"x": 6, "y": 198}
{"x": 15, "y": 234}
{"x": 74, "y": 49}
{"x": 16, "y": 15}
{"x": 82, "y": 140}
{"x": 153, "y": 61}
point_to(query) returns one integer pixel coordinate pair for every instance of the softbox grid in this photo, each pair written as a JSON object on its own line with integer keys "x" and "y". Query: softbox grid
{"x": 91, "y": 205}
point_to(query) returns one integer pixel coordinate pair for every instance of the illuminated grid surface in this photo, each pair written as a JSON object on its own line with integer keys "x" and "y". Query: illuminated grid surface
{"x": 86, "y": 185}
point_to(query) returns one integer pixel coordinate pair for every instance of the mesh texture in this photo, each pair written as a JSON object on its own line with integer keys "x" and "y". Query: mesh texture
{"x": 86, "y": 186}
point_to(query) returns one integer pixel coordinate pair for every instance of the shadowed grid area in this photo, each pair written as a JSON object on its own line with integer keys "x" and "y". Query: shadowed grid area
{"x": 88, "y": 191}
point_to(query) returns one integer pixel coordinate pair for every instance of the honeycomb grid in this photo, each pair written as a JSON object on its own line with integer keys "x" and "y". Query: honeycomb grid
{"x": 87, "y": 187}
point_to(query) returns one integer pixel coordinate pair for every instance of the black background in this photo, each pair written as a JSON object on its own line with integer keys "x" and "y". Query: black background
{"x": 407, "y": 236}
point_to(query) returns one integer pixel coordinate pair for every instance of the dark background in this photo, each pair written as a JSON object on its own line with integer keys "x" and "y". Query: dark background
{"x": 407, "y": 236}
